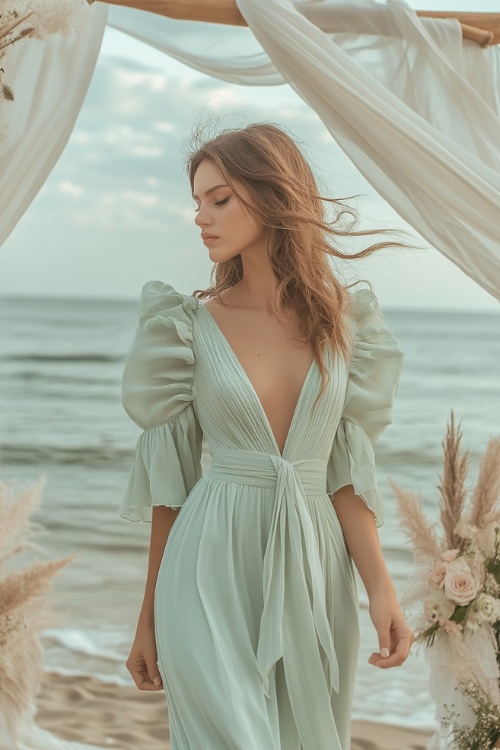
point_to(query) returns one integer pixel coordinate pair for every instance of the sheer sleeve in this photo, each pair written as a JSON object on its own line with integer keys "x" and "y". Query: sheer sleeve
{"x": 373, "y": 380}
{"x": 157, "y": 394}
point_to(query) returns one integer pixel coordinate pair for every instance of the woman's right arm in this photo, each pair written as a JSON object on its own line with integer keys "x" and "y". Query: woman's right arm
{"x": 142, "y": 660}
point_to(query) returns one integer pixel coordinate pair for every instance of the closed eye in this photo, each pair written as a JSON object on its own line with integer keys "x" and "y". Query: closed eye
{"x": 217, "y": 203}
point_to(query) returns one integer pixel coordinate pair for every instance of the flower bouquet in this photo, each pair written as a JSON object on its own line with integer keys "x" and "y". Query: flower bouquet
{"x": 455, "y": 600}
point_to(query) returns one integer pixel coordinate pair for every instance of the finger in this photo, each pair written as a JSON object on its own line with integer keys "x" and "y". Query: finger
{"x": 140, "y": 675}
{"x": 396, "y": 658}
{"x": 403, "y": 646}
{"x": 154, "y": 675}
{"x": 136, "y": 669}
{"x": 140, "y": 678}
{"x": 384, "y": 639}
{"x": 144, "y": 681}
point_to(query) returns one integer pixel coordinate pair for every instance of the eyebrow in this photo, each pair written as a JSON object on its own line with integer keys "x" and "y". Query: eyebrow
{"x": 211, "y": 190}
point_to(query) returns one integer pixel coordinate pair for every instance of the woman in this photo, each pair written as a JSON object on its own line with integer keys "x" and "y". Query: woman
{"x": 250, "y": 613}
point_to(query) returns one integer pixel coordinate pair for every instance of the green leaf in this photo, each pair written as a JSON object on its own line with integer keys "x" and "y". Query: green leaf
{"x": 428, "y": 635}
{"x": 459, "y": 614}
{"x": 493, "y": 567}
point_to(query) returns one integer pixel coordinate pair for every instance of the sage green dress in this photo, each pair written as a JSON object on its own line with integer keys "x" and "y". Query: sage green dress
{"x": 256, "y": 608}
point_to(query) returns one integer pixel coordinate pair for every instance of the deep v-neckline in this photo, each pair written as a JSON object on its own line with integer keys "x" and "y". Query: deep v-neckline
{"x": 252, "y": 389}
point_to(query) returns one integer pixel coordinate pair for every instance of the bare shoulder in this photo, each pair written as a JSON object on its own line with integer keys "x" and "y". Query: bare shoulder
{"x": 225, "y": 307}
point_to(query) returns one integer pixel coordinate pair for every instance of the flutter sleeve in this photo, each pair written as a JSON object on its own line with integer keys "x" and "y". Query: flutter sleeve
{"x": 372, "y": 385}
{"x": 157, "y": 394}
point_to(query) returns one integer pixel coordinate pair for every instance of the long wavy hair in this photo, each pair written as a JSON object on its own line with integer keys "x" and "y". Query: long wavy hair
{"x": 285, "y": 198}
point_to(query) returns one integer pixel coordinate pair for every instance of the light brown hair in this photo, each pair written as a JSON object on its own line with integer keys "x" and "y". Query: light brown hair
{"x": 285, "y": 198}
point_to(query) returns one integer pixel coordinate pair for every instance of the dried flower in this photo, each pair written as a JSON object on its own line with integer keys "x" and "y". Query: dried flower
{"x": 450, "y": 627}
{"x": 7, "y": 92}
{"x": 450, "y": 555}
{"x": 438, "y": 574}
{"x": 24, "y": 606}
{"x": 36, "y": 19}
{"x": 438, "y": 607}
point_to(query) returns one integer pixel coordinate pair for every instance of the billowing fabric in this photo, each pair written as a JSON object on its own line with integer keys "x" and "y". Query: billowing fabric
{"x": 415, "y": 108}
{"x": 50, "y": 78}
{"x": 256, "y": 609}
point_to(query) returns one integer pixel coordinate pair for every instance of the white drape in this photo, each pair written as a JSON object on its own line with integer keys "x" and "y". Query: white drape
{"x": 416, "y": 110}
{"x": 50, "y": 79}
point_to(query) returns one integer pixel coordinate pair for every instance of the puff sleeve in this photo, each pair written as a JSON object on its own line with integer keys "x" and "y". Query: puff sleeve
{"x": 157, "y": 394}
{"x": 372, "y": 385}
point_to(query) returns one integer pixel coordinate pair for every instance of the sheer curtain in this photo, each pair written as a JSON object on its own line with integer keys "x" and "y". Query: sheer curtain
{"x": 50, "y": 79}
{"x": 416, "y": 109}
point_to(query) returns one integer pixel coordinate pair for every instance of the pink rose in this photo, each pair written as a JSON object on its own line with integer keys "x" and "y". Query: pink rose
{"x": 460, "y": 586}
{"x": 450, "y": 555}
{"x": 437, "y": 576}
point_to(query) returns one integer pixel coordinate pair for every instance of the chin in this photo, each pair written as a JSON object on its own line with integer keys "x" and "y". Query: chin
{"x": 218, "y": 257}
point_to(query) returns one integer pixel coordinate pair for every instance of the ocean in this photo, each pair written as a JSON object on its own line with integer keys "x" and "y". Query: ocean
{"x": 61, "y": 418}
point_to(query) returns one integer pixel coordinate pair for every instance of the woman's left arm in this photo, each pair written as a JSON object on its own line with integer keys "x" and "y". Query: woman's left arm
{"x": 394, "y": 634}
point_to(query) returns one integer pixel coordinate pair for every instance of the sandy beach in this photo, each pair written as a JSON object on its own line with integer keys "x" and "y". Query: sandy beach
{"x": 87, "y": 710}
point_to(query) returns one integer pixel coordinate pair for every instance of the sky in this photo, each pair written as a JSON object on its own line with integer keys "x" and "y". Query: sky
{"x": 116, "y": 210}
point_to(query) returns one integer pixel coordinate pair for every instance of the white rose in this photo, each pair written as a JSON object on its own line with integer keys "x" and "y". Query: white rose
{"x": 486, "y": 609}
{"x": 459, "y": 584}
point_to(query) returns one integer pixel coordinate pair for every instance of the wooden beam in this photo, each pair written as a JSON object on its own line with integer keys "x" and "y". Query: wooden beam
{"x": 487, "y": 22}
{"x": 213, "y": 11}
{"x": 482, "y": 28}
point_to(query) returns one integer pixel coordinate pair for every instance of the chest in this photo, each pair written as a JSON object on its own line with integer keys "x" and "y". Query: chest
{"x": 270, "y": 351}
{"x": 241, "y": 362}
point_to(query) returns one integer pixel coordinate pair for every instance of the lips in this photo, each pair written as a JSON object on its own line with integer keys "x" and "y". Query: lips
{"x": 209, "y": 237}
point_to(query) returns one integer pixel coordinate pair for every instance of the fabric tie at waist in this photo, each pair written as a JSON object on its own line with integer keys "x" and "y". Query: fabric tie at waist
{"x": 294, "y": 622}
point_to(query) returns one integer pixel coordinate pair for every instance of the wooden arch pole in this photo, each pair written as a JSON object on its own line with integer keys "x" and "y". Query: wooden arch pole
{"x": 482, "y": 28}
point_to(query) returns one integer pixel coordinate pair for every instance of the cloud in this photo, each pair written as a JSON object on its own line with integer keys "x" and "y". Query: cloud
{"x": 67, "y": 187}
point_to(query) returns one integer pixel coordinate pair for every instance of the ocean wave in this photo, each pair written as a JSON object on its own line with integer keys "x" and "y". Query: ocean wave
{"x": 80, "y": 357}
{"x": 66, "y": 379}
{"x": 422, "y": 456}
{"x": 423, "y": 720}
{"x": 109, "y": 679}
{"x": 84, "y": 455}
{"x": 98, "y": 644}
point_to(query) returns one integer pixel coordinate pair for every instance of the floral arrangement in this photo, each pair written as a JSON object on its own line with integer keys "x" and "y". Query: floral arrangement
{"x": 457, "y": 594}
{"x": 37, "y": 19}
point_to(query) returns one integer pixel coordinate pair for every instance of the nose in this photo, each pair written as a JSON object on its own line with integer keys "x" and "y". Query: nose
{"x": 202, "y": 218}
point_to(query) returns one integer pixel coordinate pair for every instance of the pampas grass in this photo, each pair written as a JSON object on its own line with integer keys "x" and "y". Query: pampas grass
{"x": 25, "y": 607}
{"x": 483, "y": 503}
{"x": 419, "y": 532}
{"x": 452, "y": 489}
{"x": 487, "y": 491}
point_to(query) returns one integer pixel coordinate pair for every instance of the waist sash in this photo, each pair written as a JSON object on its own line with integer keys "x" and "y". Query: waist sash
{"x": 294, "y": 623}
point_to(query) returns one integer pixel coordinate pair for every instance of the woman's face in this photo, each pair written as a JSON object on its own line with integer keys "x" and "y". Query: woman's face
{"x": 220, "y": 214}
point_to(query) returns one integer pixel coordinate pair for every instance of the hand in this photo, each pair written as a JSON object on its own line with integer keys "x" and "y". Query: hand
{"x": 142, "y": 661}
{"x": 395, "y": 636}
